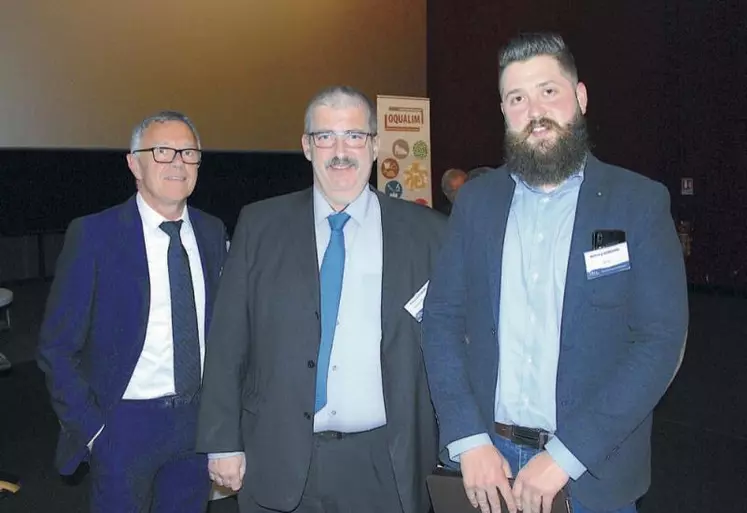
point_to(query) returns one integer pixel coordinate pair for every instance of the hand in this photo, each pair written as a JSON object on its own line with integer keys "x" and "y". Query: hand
{"x": 537, "y": 484}
{"x": 485, "y": 472}
{"x": 228, "y": 472}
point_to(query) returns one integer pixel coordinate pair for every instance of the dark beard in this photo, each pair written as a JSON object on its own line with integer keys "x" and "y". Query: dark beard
{"x": 556, "y": 161}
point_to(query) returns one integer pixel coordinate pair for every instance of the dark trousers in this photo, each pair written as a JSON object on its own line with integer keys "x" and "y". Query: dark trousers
{"x": 348, "y": 474}
{"x": 144, "y": 460}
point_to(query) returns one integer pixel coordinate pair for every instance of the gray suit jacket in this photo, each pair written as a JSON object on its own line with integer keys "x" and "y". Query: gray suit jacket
{"x": 258, "y": 391}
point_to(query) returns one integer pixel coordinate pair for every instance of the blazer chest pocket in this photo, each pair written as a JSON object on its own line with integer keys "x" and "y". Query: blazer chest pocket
{"x": 609, "y": 291}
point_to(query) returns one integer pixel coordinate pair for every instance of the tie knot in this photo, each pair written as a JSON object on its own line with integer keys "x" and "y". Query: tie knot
{"x": 172, "y": 228}
{"x": 337, "y": 221}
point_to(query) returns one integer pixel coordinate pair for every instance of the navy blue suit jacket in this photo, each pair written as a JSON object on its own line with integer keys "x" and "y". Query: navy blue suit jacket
{"x": 97, "y": 313}
{"x": 622, "y": 335}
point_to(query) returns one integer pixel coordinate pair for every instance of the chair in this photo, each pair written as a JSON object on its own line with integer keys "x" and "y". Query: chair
{"x": 6, "y": 298}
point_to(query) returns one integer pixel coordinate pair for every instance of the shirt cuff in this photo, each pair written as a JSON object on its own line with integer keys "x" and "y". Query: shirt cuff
{"x": 457, "y": 447}
{"x": 565, "y": 458}
{"x": 221, "y": 455}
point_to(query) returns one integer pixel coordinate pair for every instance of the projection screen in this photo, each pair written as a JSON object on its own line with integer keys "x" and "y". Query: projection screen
{"x": 82, "y": 73}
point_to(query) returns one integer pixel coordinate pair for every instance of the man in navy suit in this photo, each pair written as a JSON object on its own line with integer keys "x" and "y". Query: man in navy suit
{"x": 557, "y": 311}
{"x": 123, "y": 338}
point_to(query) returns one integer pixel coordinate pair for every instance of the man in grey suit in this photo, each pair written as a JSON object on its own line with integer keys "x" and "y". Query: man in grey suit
{"x": 314, "y": 384}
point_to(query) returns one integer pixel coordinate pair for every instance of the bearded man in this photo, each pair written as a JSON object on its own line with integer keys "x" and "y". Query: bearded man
{"x": 557, "y": 311}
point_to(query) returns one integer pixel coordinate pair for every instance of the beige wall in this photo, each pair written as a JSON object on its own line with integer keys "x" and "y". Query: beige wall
{"x": 81, "y": 73}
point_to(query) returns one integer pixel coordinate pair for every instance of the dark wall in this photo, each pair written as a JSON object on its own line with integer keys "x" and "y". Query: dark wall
{"x": 43, "y": 190}
{"x": 666, "y": 83}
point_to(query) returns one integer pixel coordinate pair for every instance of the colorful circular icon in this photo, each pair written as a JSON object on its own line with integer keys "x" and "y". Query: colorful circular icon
{"x": 389, "y": 168}
{"x": 393, "y": 189}
{"x": 420, "y": 149}
{"x": 416, "y": 176}
{"x": 401, "y": 149}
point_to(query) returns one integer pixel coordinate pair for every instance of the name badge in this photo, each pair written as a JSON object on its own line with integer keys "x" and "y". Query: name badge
{"x": 604, "y": 261}
{"x": 415, "y": 305}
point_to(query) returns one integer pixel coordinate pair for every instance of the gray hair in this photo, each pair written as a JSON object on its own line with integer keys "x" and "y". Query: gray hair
{"x": 340, "y": 97}
{"x": 526, "y": 46}
{"x": 161, "y": 117}
{"x": 449, "y": 175}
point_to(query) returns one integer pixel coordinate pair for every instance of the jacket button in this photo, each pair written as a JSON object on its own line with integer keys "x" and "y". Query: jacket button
{"x": 311, "y": 364}
{"x": 306, "y": 415}
{"x": 492, "y": 331}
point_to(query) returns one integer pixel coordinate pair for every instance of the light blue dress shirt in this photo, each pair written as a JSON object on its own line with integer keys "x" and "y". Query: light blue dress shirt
{"x": 535, "y": 261}
{"x": 355, "y": 395}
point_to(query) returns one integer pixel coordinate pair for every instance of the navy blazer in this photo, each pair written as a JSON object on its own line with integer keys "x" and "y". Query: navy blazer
{"x": 97, "y": 313}
{"x": 622, "y": 335}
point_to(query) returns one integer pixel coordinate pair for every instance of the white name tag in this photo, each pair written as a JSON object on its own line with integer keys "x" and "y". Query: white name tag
{"x": 603, "y": 261}
{"x": 415, "y": 305}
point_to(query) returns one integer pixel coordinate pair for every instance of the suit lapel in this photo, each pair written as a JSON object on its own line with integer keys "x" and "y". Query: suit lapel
{"x": 133, "y": 262}
{"x": 494, "y": 230}
{"x": 590, "y": 212}
{"x": 206, "y": 259}
{"x": 303, "y": 257}
{"x": 395, "y": 283}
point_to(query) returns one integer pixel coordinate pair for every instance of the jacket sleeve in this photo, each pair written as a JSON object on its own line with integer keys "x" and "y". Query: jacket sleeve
{"x": 658, "y": 317}
{"x": 443, "y": 335}
{"x": 63, "y": 336}
{"x": 219, "y": 424}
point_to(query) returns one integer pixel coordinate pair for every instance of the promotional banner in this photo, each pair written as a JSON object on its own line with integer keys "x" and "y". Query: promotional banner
{"x": 404, "y": 163}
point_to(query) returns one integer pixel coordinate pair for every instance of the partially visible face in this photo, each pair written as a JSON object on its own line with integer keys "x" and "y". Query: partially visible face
{"x": 164, "y": 187}
{"x": 455, "y": 183}
{"x": 340, "y": 172}
{"x": 539, "y": 100}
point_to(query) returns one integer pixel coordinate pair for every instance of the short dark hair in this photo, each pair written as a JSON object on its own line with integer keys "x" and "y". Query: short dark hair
{"x": 528, "y": 45}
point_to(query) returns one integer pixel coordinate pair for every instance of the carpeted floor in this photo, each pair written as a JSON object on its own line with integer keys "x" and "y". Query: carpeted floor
{"x": 699, "y": 444}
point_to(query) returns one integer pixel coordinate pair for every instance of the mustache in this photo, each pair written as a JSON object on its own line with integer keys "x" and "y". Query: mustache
{"x": 342, "y": 161}
{"x": 545, "y": 123}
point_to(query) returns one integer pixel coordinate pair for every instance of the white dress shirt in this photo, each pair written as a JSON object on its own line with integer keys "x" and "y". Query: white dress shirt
{"x": 355, "y": 395}
{"x": 154, "y": 373}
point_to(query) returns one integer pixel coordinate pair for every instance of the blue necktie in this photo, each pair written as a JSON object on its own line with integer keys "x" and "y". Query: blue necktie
{"x": 183, "y": 315}
{"x": 330, "y": 281}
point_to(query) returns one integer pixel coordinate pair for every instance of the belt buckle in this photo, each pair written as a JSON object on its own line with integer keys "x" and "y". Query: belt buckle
{"x": 332, "y": 435}
{"x": 527, "y": 436}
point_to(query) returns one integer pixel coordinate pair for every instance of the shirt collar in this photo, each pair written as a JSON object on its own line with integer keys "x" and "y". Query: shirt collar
{"x": 151, "y": 219}
{"x": 357, "y": 209}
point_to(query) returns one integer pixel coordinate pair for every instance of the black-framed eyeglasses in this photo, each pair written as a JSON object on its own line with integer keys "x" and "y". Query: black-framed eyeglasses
{"x": 166, "y": 155}
{"x": 350, "y": 138}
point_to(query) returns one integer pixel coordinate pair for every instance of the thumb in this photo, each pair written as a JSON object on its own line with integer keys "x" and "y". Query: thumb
{"x": 507, "y": 468}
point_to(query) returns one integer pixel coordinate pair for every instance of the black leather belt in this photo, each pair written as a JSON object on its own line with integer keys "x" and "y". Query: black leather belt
{"x": 528, "y": 437}
{"x": 339, "y": 435}
{"x": 332, "y": 435}
{"x": 170, "y": 401}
